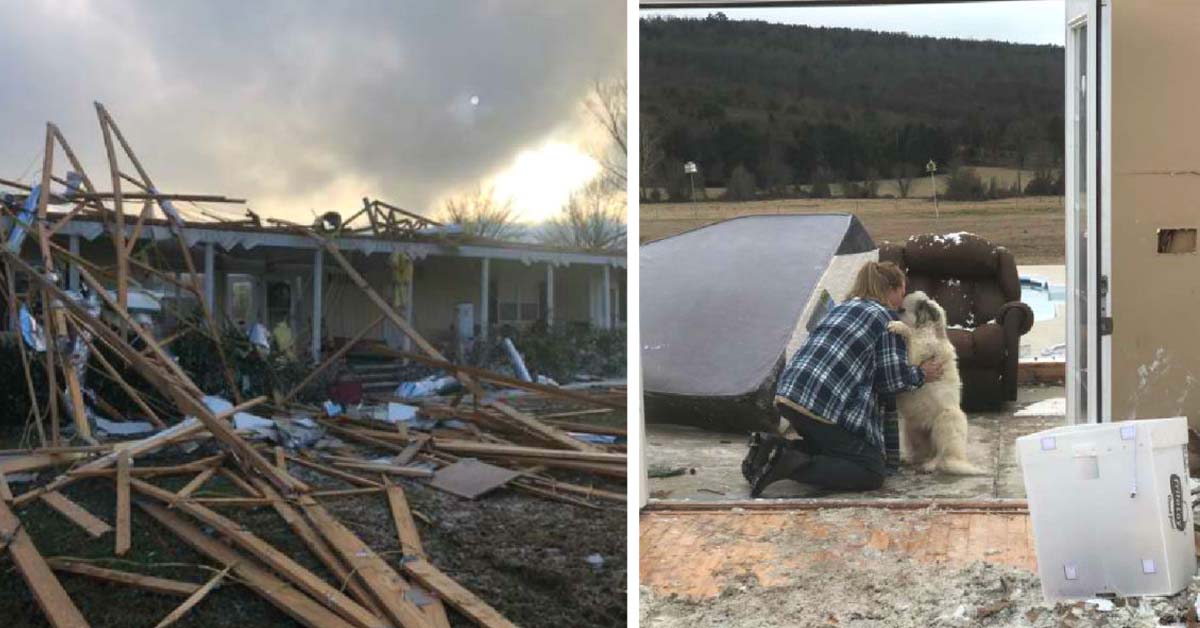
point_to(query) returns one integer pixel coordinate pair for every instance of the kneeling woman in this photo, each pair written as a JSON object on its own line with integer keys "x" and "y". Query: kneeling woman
{"x": 832, "y": 392}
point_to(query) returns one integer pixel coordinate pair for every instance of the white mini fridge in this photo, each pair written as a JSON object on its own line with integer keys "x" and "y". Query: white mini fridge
{"x": 1111, "y": 508}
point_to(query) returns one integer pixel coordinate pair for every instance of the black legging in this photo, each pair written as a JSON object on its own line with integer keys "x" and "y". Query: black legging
{"x": 839, "y": 460}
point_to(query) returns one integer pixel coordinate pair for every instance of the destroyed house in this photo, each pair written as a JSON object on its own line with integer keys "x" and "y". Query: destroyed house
{"x": 450, "y": 287}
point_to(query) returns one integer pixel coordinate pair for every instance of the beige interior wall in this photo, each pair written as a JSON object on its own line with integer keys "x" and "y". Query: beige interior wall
{"x": 440, "y": 283}
{"x": 1155, "y": 130}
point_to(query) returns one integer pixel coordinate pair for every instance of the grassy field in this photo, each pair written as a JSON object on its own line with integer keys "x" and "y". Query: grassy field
{"x": 1031, "y": 227}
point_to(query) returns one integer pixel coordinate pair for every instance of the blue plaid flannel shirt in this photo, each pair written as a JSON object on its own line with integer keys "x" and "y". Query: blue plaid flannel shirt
{"x": 847, "y": 363}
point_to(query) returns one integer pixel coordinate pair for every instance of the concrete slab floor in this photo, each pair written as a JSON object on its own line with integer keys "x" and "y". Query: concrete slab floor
{"x": 716, "y": 460}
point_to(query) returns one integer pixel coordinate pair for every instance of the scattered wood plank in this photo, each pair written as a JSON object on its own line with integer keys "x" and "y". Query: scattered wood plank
{"x": 90, "y": 523}
{"x": 333, "y": 357}
{"x": 460, "y": 598}
{"x": 237, "y": 480}
{"x": 149, "y": 583}
{"x": 410, "y": 543}
{"x": 194, "y": 485}
{"x": 186, "y": 427}
{"x": 406, "y": 528}
{"x": 317, "y": 545}
{"x": 330, "y": 471}
{"x": 194, "y": 599}
{"x": 278, "y": 561}
{"x": 284, "y": 596}
{"x": 5, "y": 491}
{"x": 33, "y": 462}
{"x": 123, "y": 528}
{"x": 410, "y": 451}
{"x": 60, "y": 611}
{"x": 464, "y": 447}
{"x": 388, "y": 587}
{"x": 379, "y": 467}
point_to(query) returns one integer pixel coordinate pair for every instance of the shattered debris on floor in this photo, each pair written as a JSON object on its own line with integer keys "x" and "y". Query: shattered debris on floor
{"x": 473, "y": 509}
{"x": 863, "y": 567}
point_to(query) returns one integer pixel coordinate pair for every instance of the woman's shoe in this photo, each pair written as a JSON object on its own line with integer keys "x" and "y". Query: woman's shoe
{"x": 760, "y": 445}
{"x": 783, "y": 461}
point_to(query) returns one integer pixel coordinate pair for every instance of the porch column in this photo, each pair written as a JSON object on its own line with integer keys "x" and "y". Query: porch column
{"x": 210, "y": 277}
{"x": 607, "y": 299}
{"x": 408, "y": 305}
{"x": 549, "y": 293}
{"x": 617, "y": 305}
{"x": 73, "y": 275}
{"x": 485, "y": 271}
{"x": 318, "y": 281}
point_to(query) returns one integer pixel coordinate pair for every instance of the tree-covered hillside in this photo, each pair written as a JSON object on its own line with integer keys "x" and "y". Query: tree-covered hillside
{"x": 771, "y": 106}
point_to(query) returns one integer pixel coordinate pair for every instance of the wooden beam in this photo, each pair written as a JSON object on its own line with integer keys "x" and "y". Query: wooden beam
{"x": 123, "y": 531}
{"x": 388, "y": 587}
{"x": 149, "y": 583}
{"x": 129, "y": 390}
{"x": 280, "y": 562}
{"x": 118, "y": 234}
{"x": 90, "y": 523}
{"x": 284, "y": 596}
{"x": 60, "y": 611}
{"x": 410, "y": 543}
{"x": 406, "y": 528}
{"x": 193, "y": 599}
{"x": 330, "y": 471}
{"x": 518, "y": 451}
{"x": 239, "y": 482}
{"x": 185, "y": 393}
{"x": 318, "y": 546}
{"x": 189, "y": 426}
{"x": 332, "y": 358}
{"x": 5, "y": 492}
{"x": 406, "y": 472}
{"x": 455, "y": 594}
{"x": 194, "y": 485}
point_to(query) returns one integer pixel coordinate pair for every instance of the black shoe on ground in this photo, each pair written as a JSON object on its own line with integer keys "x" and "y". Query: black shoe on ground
{"x": 760, "y": 445}
{"x": 784, "y": 460}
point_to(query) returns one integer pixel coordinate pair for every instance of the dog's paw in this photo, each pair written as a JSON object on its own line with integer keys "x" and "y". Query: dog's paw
{"x": 929, "y": 466}
{"x": 897, "y": 327}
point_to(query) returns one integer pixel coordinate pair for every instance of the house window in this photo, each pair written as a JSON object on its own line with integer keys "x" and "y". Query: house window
{"x": 520, "y": 306}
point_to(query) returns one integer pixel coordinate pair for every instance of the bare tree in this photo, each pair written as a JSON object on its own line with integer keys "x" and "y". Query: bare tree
{"x": 904, "y": 177}
{"x": 651, "y": 155}
{"x": 481, "y": 213}
{"x": 608, "y": 106}
{"x": 593, "y": 219}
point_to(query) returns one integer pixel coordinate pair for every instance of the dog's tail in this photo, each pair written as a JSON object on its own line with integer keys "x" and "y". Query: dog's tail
{"x": 961, "y": 466}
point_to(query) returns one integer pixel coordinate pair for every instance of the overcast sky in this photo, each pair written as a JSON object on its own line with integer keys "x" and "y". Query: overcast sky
{"x": 1032, "y": 22}
{"x": 309, "y": 106}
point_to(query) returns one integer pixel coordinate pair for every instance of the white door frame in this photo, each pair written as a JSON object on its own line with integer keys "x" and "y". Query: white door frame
{"x": 1097, "y": 19}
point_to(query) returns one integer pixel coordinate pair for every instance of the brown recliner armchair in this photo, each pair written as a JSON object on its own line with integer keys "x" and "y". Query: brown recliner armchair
{"x": 976, "y": 283}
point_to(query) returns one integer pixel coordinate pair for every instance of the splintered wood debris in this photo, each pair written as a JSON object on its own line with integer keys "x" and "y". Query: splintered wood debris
{"x": 490, "y": 444}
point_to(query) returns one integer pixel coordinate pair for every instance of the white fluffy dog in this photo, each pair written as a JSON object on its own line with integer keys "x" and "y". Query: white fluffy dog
{"x": 934, "y": 428}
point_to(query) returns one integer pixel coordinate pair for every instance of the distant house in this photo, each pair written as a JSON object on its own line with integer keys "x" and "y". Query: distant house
{"x": 255, "y": 274}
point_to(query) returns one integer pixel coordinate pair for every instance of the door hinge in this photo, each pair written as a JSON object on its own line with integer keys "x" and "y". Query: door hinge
{"x": 1106, "y": 321}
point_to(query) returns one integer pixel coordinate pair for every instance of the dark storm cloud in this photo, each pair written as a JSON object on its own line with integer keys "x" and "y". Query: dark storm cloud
{"x": 300, "y": 105}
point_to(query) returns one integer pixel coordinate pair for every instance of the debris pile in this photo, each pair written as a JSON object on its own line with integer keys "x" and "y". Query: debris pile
{"x": 269, "y": 447}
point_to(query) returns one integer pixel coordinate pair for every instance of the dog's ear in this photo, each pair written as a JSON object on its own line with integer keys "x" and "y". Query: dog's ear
{"x": 926, "y": 313}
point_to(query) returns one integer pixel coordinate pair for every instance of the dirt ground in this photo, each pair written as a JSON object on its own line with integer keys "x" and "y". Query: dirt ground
{"x": 1031, "y": 227}
{"x": 863, "y": 586}
{"x": 526, "y": 556}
